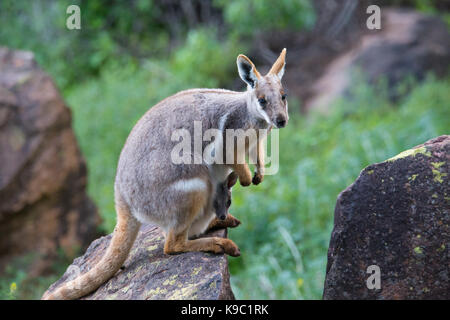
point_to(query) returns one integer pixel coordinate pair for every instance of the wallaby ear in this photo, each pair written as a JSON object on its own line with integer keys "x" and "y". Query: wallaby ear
{"x": 247, "y": 70}
{"x": 278, "y": 66}
{"x": 231, "y": 180}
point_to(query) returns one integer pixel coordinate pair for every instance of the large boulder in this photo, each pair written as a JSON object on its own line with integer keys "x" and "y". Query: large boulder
{"x": 43, "y": 200}
{"x": 395, "y": 217}
{"x": 324, "y": 64}
{"x": 408, "y": 45}
{"x": 148, "y": 273}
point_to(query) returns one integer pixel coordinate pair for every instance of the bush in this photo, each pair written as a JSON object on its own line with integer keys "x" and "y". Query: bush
{"x": 204, "y": 60}
{"x": 118, "y": 31}
{"x": 247, "y": 17}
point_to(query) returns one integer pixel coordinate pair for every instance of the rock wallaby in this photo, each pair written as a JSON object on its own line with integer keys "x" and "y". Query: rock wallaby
{"x": 152, "y": 186}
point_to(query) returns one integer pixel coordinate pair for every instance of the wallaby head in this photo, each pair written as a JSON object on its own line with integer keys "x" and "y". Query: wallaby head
{"x": 267, "y": 98}
{"x": 222, "y": 199}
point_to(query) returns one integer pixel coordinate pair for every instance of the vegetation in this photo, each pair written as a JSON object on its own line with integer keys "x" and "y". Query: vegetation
{"x": 16, "y": 282}
{"x": 128, "y": 58}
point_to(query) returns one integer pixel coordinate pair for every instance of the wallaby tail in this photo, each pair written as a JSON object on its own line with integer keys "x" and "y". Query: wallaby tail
{"x": 125, "y": 233}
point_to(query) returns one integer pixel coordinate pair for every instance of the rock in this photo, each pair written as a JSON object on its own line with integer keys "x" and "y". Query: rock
{"x": 409, "y": 44}
{"x": 43, "y": 200}
{"x": 338, "y": 27}
{"x": 148, "y": 273}
{"x": 396, "y": 216}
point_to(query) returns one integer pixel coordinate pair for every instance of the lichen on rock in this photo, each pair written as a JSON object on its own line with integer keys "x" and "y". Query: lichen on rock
{"x": 411, "y": 153}
{"x": 396, "y": 216}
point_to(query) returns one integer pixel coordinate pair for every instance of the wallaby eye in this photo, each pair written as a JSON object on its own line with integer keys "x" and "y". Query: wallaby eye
{"x": 283, "y": 96}
{"x": 228, "y": 203}
{"x": 262, "y": 102}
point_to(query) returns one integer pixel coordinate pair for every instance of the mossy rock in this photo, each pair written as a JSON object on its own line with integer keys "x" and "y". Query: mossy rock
{"x": 396, "y": 216}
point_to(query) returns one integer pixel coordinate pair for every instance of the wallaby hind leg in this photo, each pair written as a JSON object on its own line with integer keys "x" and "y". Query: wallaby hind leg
{"x": 177, "y": 238}
{"x": 178, "y": 243}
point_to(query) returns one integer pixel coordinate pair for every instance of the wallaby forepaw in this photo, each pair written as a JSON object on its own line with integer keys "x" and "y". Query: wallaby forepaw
{"x": 257, "y": 178}
{"x": 245, "y": 182}
{"x": 232, "y": 222}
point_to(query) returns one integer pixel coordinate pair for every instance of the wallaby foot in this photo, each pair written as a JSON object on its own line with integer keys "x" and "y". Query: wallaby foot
{"x": 178, "y": 243}
{"x": 229, "y": 222}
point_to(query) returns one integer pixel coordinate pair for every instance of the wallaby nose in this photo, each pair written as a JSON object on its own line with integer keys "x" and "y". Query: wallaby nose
{"x": 222, "y": 216}
{"x": 281, "y": 121}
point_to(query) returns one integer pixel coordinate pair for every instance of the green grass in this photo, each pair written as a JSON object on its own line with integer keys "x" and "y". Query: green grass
{"x": 287, "y": 220}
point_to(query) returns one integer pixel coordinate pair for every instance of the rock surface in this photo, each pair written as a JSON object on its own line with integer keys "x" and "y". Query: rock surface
{"x": 43, "y": 200}
{"x": 396, "y": 216}
{"x": 148, "y": 273}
